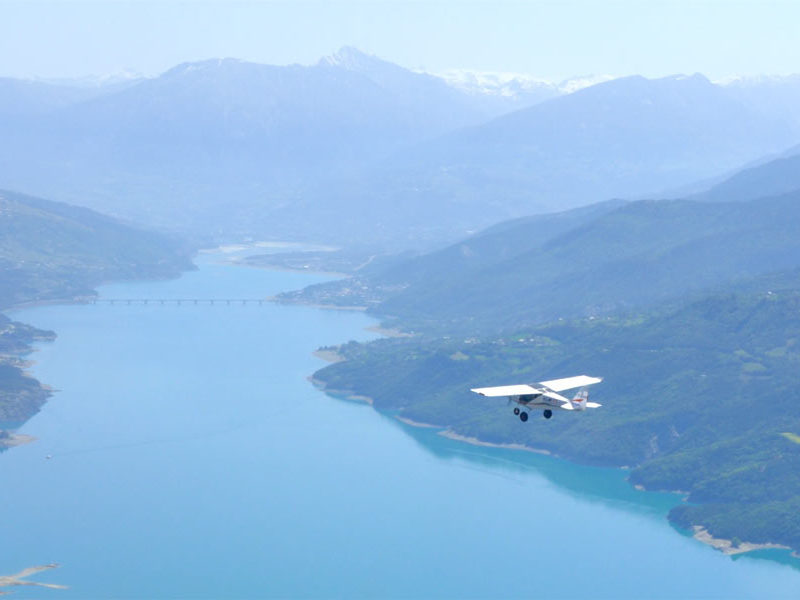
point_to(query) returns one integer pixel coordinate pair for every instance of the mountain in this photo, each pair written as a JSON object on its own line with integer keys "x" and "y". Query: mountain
{"x": 21, "y": 396}
{"x": 777, "y": 176}
{"x": 504, "y": 92}
{"x": 768, "y": 94}
{"x": 700, "y": 397}
{"x": 627, "y": 138}
{"x": 589, "y": 262}
{"x": 624, "y": 138}
{"x": 54, "y": 251}
{"x": 163, "y": 151}
{"x": 357, "y": 148}
{"x": 21, "y": 98}
{"x": 51, "y": 251}
{"x": 688, "y": 309}
{"x": 381, "y": 280}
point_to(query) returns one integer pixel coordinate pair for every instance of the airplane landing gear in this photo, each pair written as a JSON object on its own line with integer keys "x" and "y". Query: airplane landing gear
{"x": 523, "y": 416}
{"x": 516, "y": 410}
{"x": 548, "y": 413}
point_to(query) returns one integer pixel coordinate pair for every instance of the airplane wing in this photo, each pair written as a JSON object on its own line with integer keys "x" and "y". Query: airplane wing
{"x": 522, "y": 390}
{"x": 506, "y": 390}
{"x": 568, "y": 383}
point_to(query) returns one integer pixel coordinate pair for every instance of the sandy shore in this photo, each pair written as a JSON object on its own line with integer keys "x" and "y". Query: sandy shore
{"x": 330, "y": 356}
{"x": 346, "y": 394}
{"x": 16, "y": 439}
{"x": 51, "y": 302}
{"x": 452, "y": 435}
{"x": 701, "y": 534}
{"x": 415, "y": 423}
{"x": 299, "y": 246}
{"x": 641, "y": 488}
{"x": 313, "y": 305}
{"x": 18, "y": 578}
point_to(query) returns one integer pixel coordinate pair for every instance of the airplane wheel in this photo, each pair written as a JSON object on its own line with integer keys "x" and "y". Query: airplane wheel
{"x": 523, "y": 416}
{"x": 516, "y": 410}
{"x": 548, "y": 413}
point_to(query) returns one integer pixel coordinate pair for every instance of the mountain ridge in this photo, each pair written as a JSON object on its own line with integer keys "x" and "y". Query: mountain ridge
{"x": 370, "y": 150}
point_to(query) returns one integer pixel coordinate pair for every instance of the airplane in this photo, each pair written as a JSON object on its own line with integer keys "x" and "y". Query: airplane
{"x": 545, "y": 395}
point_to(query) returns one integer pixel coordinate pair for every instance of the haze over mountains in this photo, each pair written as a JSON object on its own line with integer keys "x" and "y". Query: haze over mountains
{"x": 590, "y": 261}
{"x": 51, "y": 251}
{"x": 355, "y": 147}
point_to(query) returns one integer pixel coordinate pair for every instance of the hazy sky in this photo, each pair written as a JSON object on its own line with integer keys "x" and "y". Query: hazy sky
{"x": 554, "y": 40}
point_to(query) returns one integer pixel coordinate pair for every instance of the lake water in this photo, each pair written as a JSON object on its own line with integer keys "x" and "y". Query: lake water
{"x": 192, "y": 459}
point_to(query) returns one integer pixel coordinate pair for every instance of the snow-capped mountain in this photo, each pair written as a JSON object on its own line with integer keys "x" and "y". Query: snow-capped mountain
{"x": 491, "y": 92}
{"x": 372, "y": 149}
{"x": 515, "y": 85}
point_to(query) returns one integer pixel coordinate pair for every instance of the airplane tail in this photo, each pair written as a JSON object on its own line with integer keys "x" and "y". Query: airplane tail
{"x": 581, "y": 400}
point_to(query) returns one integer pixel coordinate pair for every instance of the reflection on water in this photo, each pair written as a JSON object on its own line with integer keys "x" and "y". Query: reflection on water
{"x": 584, "y": 482}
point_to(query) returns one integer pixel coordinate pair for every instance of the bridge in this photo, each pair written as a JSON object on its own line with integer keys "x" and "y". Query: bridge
{"x": 179, "y": 301}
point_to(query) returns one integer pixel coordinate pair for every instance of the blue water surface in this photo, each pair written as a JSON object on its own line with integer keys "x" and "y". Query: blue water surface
{"x": 191, "y": 458}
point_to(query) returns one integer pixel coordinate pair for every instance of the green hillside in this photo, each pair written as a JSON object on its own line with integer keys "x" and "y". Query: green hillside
{"x": 390, "y": 275}
{"x": 585, "y": 264}
{"x": 690, "y": 310}
{"x": 21, "y": 396}
{"x": 52, "y": 251}
{"x": 775, "y": 177}
{"x": 696, "y": 398}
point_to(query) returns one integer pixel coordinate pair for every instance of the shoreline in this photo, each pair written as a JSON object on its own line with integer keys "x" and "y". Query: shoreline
{"x": 240, "y": 263}
{"x": 340, "y": 394}
{"x": 701, "y": 534}
{"x": 452, "y": 435}
{"x": 19, "y": 579}
{"x": 412, "y": 423}
{"x": 16, "y": 439}
{"x": 329, "y": 356}
{"x": 238, "y": 247}
{"x": 88, "y": 298}
{"x": 67, "y": 300}
{"x": 276, "y": 300}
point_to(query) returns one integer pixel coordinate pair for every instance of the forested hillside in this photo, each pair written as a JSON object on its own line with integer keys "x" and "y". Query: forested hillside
{"x": 54, "y": 251}
{"x": 51, "y": 251}
{"x": 580, "y": 263}
{"x": 696, "y": 398}
{"x": 690, "y": 310}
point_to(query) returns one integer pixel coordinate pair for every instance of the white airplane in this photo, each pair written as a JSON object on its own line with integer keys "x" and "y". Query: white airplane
{"x": 545, "y": 395}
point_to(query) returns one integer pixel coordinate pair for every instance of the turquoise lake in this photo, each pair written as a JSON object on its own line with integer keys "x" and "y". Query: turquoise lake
{"x": 191, "y": 458}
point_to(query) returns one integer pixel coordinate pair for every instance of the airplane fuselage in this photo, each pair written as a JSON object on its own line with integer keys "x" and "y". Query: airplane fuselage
{"x": 536, "y": 401}
{"x": 545, "y": 395}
